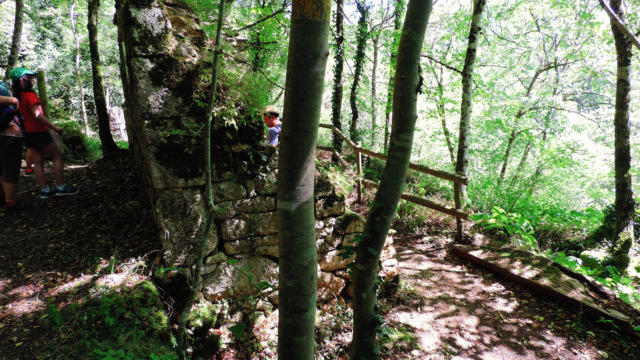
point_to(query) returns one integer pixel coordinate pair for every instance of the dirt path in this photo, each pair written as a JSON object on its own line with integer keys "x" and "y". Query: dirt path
{"x": 458, "y": 311}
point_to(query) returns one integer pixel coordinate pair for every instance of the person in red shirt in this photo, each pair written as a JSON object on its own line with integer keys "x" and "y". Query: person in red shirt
{"x": 270, "y": 116}
{"x": 36, "y": 134}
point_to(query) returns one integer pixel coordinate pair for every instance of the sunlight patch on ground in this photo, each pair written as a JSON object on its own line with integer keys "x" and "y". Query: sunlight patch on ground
{"x": 25, "y": 306}
{"x": 71, "y": 285}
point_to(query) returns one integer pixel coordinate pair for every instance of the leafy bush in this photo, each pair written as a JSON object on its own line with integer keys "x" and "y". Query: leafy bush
{"x": 510, "y": 226}
{"x": 121, "y": 324}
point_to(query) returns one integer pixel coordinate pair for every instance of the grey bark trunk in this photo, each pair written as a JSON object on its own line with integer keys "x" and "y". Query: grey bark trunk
{"x": 15, "y": 41}
{"x": 109, "y": 146}
{"x": 466, "y": 108}
{"x": 397, "y": 22}
{"x": 624, "y": 204}
{"x": 307, "y": 60}
{"x": 406, "y": 87}
{"x": 72, "y": 17}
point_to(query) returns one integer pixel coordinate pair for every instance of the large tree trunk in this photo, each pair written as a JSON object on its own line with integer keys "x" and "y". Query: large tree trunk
{"x": 72, "y": 17}
{"x": 466, "y": 108}
{"x": 365, "y": 319}
{"x": 109, "y": 147}
{"x": 336, "y": 96}
{"x": 397, "y": 22}
{"x": 624, "y": 237}
{"x": 296, "y": 168}
{"x": 361, "y": 39}
{"x": 15, "y": 42}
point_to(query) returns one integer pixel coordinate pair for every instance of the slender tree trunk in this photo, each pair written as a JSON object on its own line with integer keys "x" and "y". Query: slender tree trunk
{"x": 466, "y": 108}
{"x": 298, "y": 276}
{"x": 397, "y": 22}
{"x": 523, "y": 161}
{"x": 196, "y": 287}
{"x": 507, "y": 155}
{"x": 624, "y": 237}
{"x": 361, "y": 39}
{"x": 109, "y": 147}
{"x": 376, "y": 39}
{"x": 336, "y": 96}
{"x": 443, "y": 115}
{"x": 72, "y": 16}
{"x": 365, "y": 319}
{"x": 15, "y": 42}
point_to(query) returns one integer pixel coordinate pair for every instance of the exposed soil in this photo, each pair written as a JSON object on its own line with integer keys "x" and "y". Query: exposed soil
{"x": 443, "y": 309}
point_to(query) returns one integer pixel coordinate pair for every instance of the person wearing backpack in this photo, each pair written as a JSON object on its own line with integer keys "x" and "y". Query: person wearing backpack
{"x": 270, "y": 117}
{"x": 10, "y": 149}
{"x": 36, "y": 134}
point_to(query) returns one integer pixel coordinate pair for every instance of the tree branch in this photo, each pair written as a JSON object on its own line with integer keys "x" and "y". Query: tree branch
{"x": 616, "y": 20}
{"x": 443, "y": 64}
{"x": 260, "y": 20}
{"x": 259, "y": 71}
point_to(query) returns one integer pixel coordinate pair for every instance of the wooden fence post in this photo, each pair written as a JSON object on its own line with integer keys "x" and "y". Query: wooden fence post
{"x": 357, "y": 150}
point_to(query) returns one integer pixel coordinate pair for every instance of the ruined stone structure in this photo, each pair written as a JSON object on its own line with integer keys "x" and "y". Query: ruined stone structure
{"x": 165, "y": 76}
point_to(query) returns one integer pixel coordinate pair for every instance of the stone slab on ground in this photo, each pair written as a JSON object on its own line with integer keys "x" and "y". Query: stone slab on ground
{"x": 550, "y": 278}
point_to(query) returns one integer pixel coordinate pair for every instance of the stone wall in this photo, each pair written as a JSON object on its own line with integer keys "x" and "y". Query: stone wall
{"x": 164, "y": 76}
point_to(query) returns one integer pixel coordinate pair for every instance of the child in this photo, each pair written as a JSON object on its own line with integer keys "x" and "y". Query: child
{"x": 36, "y": 134}
{"x": 270, "y": 116}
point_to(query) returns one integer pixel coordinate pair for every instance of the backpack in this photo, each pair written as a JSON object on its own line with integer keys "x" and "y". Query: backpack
{"x": 7, "y": 112}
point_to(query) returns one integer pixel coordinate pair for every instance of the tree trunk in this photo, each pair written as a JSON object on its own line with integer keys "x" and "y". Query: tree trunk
{"x": 466, "y": 108}
{"x": 397, "y": 22}
{"x": 336, "y": 96}
{"x": 109, "y": 147}
{"x": 507, "y": 155}
{"x": 15, "y": 42}
{"x": 196, "y": 287}
{"x": 365, "y": 319}
{"x": 523, "y": 161}
{"x": 624, "y": 237}
{"x": 443, "y": 115}
{"x": 361, "y": 39}
{"x": 376, "y": 39}
{"x": 72, "y": 16}
{"x": 298, "y": 276}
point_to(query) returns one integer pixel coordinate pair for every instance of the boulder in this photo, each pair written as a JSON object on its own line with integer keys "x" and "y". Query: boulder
{"x": 232, "y": 280}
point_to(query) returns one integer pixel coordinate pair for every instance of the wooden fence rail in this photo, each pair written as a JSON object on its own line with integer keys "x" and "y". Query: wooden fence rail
{"x": 359, "y": 151}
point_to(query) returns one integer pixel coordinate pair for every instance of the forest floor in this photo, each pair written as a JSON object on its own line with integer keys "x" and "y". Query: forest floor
{"x": 56, "y": 250}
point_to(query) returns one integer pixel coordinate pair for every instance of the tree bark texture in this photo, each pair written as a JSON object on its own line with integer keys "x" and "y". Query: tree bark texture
{"x": 165, "y": 121}
{"x": 397, "y": 22}
{"x": 336, "y": 95}
{"x": 624, "y": 205}
{"x": 466, "y": 108}
{"x": 440, "y": 106}
{"x": 406, "y": 88}
{"x": 109, "y": 146}
{"x": 72, "y": 17}
{"x": 298, "y": 276}
{"x": 361, "y": 43}
{"x": 15, "y": 41}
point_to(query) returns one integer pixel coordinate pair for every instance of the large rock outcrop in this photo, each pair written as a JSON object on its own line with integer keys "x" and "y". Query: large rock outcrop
{"x": 165, "y": 76}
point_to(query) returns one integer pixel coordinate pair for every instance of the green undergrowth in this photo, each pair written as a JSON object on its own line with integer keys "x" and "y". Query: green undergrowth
{"x": 567, "y": 247}
{"x": 123, "y": 323}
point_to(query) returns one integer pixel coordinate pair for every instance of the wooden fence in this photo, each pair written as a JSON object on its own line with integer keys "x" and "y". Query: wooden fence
{"x": 359, "y": 151}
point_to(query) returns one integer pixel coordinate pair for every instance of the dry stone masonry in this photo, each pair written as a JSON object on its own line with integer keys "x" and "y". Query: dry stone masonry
{"x": 165, "y": 76}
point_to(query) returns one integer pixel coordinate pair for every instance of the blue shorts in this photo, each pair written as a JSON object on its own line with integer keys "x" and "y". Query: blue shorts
{"x": 37, "y": 140}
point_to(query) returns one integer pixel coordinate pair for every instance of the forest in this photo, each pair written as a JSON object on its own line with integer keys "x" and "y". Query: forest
{"x": 442, "y": 180}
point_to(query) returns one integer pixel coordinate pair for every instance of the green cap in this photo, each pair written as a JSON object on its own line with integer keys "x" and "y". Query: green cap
{"x": 18, "y": 72}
